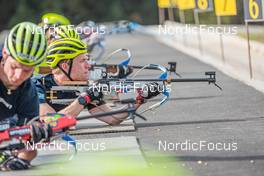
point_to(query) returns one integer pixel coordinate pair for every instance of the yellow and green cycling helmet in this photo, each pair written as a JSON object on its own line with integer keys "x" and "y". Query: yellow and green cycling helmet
{"x": 64, "y": 49}
{"x": 59, "y": 33}
{"x": 66, "y": 32}
{"x": 54, "y": 19}
{"x": 27, "y": 44}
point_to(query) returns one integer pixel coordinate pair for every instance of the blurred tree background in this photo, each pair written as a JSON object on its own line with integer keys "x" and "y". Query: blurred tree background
{"x": 141, "y": 11}
{"x": 15, "y": 11}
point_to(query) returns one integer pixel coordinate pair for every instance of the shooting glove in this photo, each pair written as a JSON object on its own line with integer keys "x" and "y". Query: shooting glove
{"x": 93, "y": 95}
{"x": 10, "y": 162}
{"x": 149, "y": 91}
{"x": 41, "y": 131}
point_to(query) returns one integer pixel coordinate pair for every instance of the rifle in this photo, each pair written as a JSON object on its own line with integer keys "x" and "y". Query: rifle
{"x": 15, "y": 138}
{"x": 104, "y": 71}
{"x": 78, "y": 87}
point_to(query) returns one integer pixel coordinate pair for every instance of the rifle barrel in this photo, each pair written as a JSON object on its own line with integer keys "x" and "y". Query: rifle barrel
{"x": 140, "y": 67}
{"x": 133, "y": 66}
{"x": 159, "y": 80}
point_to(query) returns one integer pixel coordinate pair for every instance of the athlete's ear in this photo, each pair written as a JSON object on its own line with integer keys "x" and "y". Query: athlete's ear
{"x": 4, "y": 53}
{"x": 4, "y": 56}
{"x": 64, "y": 66}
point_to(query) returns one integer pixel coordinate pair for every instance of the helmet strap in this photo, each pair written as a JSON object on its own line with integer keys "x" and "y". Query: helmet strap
{"x": 69, "y": 72}
{"x": 70, "y": 69}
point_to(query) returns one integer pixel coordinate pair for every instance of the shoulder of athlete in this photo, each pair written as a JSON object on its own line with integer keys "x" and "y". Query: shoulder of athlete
{"x": 44, "y": 80}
